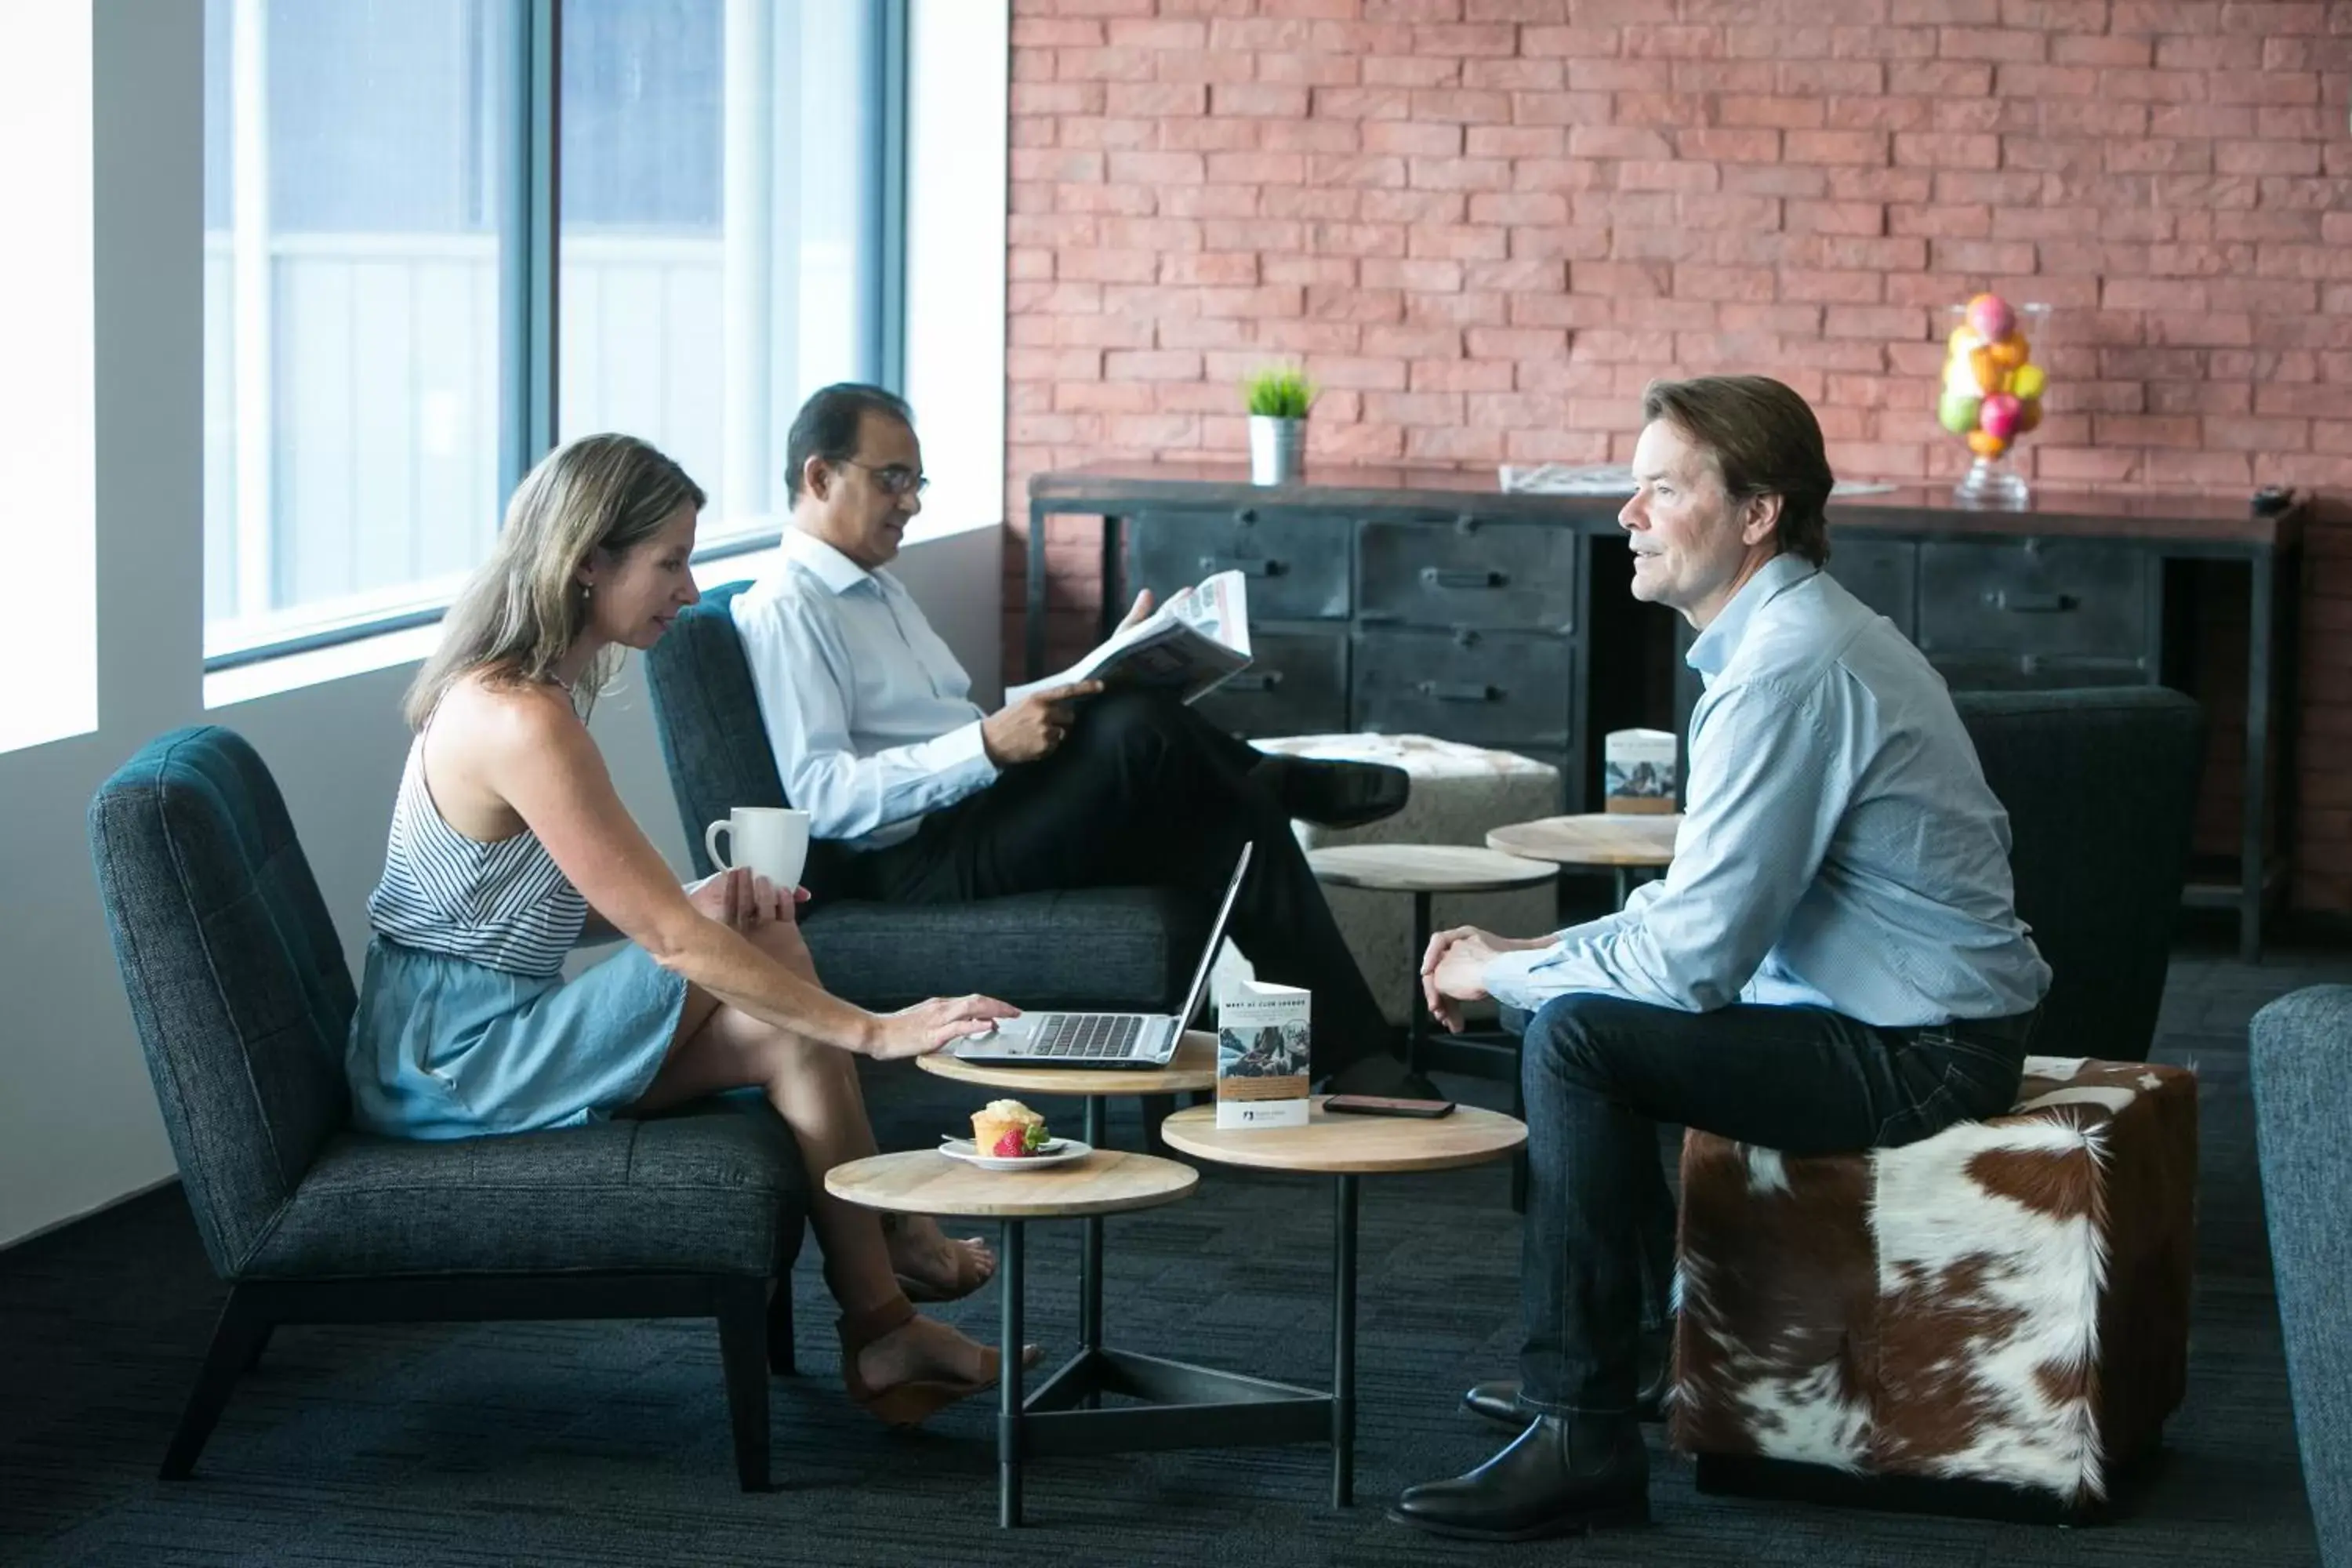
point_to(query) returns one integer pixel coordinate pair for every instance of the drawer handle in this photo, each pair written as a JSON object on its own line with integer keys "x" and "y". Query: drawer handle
{"x": 1254, "y": 681}
{"x": 1438, "y": 577}
{"x": 1457, "y": 691}
{"x": 2029, "y": 604}
{"x": 1247, "y": 568}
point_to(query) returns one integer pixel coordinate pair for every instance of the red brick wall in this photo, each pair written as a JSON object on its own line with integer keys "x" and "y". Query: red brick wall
{"x": 1482, "y": 225}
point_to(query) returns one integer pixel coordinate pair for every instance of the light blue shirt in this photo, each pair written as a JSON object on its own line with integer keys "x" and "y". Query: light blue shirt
{"x": 1840, "y": 847}
{"x": 870, "y": 716}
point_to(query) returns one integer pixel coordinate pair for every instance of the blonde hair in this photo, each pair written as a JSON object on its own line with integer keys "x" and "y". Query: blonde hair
{"x": 523, "y": 610}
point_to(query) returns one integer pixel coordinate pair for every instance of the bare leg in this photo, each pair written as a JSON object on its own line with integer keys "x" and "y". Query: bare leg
{"x": 814, "y": 1088}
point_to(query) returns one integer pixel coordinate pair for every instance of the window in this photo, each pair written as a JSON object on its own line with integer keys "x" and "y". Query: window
{"x": 378, "y": 372}
{"x": 48, "y": 431}
{"x": 720, "y": 234}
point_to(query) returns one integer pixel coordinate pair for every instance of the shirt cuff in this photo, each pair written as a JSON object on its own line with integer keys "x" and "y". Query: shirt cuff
{"x": 965, "y": 754}
{"x": 1511, "y": 977}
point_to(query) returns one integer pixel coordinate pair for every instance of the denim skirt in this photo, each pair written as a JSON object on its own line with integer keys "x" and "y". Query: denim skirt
{"x": 445, "y": 1047}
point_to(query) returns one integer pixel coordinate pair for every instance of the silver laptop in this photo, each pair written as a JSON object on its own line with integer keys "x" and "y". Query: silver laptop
{"x": 1103, "y": 1039}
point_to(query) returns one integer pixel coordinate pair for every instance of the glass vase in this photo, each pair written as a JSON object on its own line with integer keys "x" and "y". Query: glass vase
{"x": 1991, "y": 396}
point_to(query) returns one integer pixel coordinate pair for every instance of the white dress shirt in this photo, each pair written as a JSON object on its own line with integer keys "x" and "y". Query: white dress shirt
{"x": 869, "y": 713}
{"x": 1841, "y": 848}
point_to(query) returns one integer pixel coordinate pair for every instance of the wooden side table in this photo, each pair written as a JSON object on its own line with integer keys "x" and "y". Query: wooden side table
{"x": 1193, "y": 1067}
{"x": 1106, "y": 1182}
{"x": 1347, "y": 1147}
{"x": 1425, "y": 870}
{"x": 1623, "y": 842}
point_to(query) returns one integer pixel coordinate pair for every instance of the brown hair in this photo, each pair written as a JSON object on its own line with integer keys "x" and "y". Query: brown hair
{"x": 1765, "y": 442}
{"x": 523, "y": 609}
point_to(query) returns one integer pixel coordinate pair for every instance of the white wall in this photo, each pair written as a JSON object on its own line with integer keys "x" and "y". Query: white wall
{"x": 79, "y": 1127}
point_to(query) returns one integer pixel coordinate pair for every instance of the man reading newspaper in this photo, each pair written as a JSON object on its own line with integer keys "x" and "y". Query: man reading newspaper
{"x": 1094, "y": 781}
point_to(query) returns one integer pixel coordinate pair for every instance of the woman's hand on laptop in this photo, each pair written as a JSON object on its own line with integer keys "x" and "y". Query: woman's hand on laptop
{"x": 919, "y": 1030}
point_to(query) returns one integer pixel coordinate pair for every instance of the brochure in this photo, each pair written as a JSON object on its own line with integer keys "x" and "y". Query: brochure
{"x": 1262, "y": 1055}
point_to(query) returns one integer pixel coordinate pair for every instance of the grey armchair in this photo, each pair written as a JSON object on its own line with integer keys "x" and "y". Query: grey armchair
{"x": 2101, "y": 787}
{"x": 1096, "y": 948}
{"x": 242, "y": 1000}
{"x": 2302, "y": 1044}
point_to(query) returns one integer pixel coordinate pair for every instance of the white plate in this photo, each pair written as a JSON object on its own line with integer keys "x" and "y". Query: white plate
{"x": 1056, "y": 1151}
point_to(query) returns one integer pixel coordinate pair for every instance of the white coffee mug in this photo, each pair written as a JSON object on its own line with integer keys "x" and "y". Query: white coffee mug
{"x": 769, "y": 841}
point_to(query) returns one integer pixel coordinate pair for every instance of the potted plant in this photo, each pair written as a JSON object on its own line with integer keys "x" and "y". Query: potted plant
{"x": 1277, "y": 400}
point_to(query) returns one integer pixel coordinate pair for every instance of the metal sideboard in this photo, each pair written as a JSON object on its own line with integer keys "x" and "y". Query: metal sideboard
{"x": 1428, "y": 601}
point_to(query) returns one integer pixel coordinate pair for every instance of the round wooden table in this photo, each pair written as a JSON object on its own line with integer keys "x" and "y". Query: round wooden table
{"x": 1192, "y": 1068}
{"x": 1345, "y": 1148}
{"x": 1623, "y": 842}
{"x": 1048, "y": 1422}
{"x": 1425, "y": 871}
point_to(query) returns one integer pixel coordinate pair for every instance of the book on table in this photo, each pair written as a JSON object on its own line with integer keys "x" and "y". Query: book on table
{"x": 1192, "y": 645}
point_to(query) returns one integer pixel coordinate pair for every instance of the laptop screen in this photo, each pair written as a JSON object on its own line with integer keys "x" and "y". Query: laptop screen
{"x": 1216, "y": 938}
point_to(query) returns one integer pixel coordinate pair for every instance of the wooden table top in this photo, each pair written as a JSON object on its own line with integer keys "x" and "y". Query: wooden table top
{"x": 1426, "y": 868}
{"x": 1349, "y": 1145}
{"x": 1596, "y": 839}
{"x": 1194, "y": 1066}
{"x": 924, "y": 1181}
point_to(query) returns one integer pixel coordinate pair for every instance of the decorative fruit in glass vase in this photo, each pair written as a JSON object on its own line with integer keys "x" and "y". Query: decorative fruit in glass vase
{"x": 1991, "y": 394}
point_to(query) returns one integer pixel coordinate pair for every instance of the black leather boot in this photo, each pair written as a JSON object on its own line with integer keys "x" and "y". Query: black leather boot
{"x": 1499, "y": 1399}
{"x": 1334, "y": 794}
{"x": 1562, "y": 1476}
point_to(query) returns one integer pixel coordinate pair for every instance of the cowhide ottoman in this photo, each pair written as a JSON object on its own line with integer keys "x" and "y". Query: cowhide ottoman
{"x": 1458, "y": 793}
{"x": 1992, "y": 1320}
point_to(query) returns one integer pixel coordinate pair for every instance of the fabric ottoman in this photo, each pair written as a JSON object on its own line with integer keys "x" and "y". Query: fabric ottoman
{"x": 1458, "y": 793}
{"x": 1994, "y": 1319}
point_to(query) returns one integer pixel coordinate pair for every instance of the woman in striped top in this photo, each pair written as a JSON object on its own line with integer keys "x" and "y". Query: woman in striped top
{"x": 509, "y": 846}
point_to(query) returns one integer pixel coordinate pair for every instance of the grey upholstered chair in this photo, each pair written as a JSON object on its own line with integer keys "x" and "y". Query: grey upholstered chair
{"x": 242, "y": 999}
{"x": 2301, "y": 1046}
{"x": 1119, "y": 948}
{"x": 2101, "y": 787}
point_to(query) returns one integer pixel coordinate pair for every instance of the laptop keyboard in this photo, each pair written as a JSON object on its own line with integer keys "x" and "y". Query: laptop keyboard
{"x": 1087, "y": 1037}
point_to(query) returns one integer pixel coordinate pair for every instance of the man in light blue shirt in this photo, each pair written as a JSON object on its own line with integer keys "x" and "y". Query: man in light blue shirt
{"x": 877, "y": 737}
{"x": 1833, "y": 961}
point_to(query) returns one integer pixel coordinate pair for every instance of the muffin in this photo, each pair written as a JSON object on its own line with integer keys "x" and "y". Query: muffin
{"x": 1006, "y": 1129}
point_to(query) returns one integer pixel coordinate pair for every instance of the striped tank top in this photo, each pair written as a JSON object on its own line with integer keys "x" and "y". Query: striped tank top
{"x": 502, "y": 905}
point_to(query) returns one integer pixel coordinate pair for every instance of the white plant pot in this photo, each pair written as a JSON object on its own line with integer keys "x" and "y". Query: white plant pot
{"x": 1277, "y": 449}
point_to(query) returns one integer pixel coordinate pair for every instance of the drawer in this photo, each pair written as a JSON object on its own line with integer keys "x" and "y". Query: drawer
{"x": 1507, "y": 690}
{"x": 1296, "y": 684}
{"x": 2051, "y": 600}
{"x": 2033, "y": 672}
{"x": 1500, "y": 575}
{"x": 1882, "y": 573}
{"x": 1295, "y": 564}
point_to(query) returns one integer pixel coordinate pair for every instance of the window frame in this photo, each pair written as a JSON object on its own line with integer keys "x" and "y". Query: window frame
{"x": 529, "y": 263}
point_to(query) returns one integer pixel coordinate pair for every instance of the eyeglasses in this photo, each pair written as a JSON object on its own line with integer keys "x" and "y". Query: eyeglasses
{"x": 896, "y": 479}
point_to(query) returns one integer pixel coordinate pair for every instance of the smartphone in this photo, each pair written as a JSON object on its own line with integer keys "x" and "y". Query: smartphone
{"x": 1378, "y": 1105}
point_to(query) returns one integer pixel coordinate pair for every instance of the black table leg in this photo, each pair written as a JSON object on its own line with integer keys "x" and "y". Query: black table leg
{"x": 1343, "y": 1347}
{"x": 1008, "y": 1387}
{"x": 1417, "y": 1005}
{"x": 1090, "y": 1258}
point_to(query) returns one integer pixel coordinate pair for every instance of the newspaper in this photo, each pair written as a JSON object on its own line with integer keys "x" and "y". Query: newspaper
{"x": 1617, "y": 479}
{"x": 1195, "y": 642}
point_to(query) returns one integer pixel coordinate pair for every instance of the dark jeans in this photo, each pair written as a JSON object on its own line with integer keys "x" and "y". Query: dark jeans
{"x": 1144, "y": 792}
{"x": 1600, "y": 1074}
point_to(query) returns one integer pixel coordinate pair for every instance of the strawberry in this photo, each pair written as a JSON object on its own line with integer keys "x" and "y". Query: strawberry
{"x": 1011, "y": 1144}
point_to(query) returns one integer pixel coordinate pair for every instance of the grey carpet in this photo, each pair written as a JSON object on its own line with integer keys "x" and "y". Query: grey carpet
{"x": 579, "y": 1444}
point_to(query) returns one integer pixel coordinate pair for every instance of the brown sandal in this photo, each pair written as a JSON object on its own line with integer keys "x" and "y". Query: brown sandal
{"x": 915, "y": 1400}
{"x": 968, "y": 1278}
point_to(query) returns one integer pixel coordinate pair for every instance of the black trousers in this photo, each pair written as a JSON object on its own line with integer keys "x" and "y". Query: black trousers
{"x": 1600, "y": 1073}
{"x": 1144, "y": 792}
